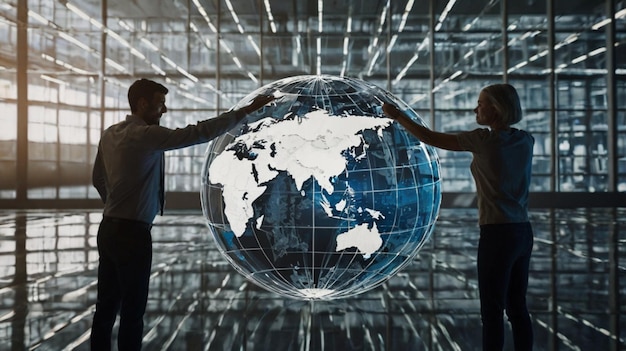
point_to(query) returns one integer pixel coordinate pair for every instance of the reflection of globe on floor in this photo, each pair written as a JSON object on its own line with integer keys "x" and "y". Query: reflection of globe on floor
{"x": 318, "y": 195}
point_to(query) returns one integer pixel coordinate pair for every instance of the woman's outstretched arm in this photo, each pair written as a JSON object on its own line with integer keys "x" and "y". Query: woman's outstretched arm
{"x": 441, "y": 140}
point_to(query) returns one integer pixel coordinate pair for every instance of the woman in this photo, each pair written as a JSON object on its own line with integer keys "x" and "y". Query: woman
{"x": 501, "y": 167}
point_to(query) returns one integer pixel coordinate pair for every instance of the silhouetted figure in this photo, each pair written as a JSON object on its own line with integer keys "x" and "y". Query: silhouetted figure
{"x": 501, "y": 167}
{"x": 128, "y": 174}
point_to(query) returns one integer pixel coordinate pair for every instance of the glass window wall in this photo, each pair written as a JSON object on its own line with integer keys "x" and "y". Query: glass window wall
{"x": 83, "y": 57}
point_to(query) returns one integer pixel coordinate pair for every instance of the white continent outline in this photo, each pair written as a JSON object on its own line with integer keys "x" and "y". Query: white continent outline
{"x": 304, "y": 147}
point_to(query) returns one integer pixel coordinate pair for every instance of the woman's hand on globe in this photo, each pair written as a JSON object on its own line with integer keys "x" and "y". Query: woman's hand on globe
{"x": 391, "y": 111}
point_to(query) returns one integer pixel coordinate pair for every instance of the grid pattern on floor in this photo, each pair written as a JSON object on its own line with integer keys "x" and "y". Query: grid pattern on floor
{"x": 197, "y": 301}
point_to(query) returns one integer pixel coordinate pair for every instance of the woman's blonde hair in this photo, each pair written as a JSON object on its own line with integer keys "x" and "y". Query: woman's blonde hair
{"x": 506, "y": 101}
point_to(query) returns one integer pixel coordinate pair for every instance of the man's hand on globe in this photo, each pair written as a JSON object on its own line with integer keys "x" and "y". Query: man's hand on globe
{"x": 258, "y": 102}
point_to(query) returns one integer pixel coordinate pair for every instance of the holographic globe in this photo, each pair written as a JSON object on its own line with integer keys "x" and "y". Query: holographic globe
{"x": 318, "y": 195}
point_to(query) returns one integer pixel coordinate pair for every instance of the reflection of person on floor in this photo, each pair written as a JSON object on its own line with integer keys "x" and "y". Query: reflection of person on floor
{"x": 128, "y": 174}
{"x": 501, "y": 167}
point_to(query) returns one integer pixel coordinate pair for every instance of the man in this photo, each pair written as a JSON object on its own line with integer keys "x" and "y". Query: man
{"x": 128, "y": 174}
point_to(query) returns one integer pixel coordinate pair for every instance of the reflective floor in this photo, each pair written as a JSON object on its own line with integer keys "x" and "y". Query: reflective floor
{"x": 198, "y": 302}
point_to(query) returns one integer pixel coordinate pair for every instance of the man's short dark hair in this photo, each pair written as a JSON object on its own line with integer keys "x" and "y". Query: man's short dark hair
{"x": 143, "y": 88}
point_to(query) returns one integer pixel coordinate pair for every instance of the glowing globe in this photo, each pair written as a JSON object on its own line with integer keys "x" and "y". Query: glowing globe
{"x": 318, "y": 195}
